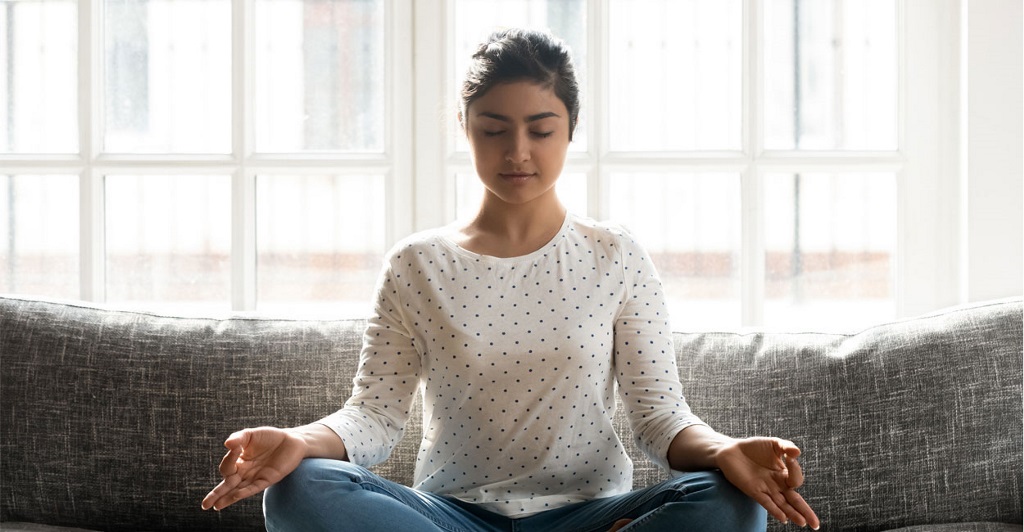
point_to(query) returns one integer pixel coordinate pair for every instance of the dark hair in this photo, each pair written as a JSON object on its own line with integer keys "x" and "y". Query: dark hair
{"x": 523, "y": 55}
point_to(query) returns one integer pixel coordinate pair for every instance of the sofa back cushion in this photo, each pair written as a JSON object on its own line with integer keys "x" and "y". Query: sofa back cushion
{"x": 913, "y": 422}
{"x": 115, "y": 420}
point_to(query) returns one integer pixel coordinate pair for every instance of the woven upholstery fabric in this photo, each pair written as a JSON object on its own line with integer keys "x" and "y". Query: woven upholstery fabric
{"x": 961, "y": 527}
{"x": 913, "y": 423}
{"x": 114, "y": 420}
{"x": 35, "y": 527}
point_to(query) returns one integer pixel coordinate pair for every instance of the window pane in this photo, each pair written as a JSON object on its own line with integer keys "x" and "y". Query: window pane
{"x": 169, "y": 239}
{"x": 690, "y": 224}
{"x": 168, "y": 76}
{"x": 565, "y": 19}
{"x": 675, "y": 75}
{"x": 320, "y": 80}
{"x": 39, "y": 76}
{"x": 319, "y": 240}
{"x": 469, "y": 192}
{"x": 39, "y": 235}
{"x": 830, "y": 74}
{"x": 830, "y": 248}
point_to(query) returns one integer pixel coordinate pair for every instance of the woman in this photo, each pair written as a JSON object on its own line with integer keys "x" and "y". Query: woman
{"x": 517, "y": 325}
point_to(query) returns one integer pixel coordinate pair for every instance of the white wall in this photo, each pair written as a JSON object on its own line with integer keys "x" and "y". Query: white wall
{"x": 994, "y": 163}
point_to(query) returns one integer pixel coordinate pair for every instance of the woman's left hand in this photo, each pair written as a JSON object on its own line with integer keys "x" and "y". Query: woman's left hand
{"x": 767, "y": 470}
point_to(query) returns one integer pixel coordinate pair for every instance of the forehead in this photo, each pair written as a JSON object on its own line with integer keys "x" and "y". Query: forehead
{"x": 518, "y": 99}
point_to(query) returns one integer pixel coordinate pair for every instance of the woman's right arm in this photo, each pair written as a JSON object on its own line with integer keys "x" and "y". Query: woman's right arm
{"x": 321, "y": 442}
{"x": 260, "y": 457}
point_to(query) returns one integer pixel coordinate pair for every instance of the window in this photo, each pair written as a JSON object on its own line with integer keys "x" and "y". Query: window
{"x": 753, "y": 147}
{"x": 778, "y": 158}
{"x": 216, "y": 154}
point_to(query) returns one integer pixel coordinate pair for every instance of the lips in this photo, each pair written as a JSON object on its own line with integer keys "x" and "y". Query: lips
{"x": 516, "y": 176}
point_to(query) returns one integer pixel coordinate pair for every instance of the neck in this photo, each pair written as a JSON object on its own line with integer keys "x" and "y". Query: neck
{"x": 519, "y": 222}
{"x": 504, "y": 230}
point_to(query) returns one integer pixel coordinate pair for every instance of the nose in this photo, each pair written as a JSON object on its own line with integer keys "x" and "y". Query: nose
{"x": 518, "y": 149}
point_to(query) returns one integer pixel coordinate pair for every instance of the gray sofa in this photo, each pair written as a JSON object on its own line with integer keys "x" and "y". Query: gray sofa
{"x": 113, "y": 420}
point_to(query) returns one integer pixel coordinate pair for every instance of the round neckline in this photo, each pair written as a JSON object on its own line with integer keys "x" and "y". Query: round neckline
{"x": 446, "y": 240}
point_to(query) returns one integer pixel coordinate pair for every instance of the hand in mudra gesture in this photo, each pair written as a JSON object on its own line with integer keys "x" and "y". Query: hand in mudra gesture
{"x": 256, "y": 459}
{"x": 766, "y": 470}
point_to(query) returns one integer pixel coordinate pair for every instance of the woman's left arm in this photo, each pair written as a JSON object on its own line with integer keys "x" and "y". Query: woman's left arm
{"x": 766, "y": 469}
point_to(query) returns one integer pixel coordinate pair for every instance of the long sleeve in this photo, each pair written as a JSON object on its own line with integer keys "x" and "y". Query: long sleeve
{"x": 645, "y": 359}
{"x": 373, "y": 419}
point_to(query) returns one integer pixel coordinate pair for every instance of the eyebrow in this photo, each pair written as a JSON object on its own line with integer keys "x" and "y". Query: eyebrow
{"x": 531, "y": 118}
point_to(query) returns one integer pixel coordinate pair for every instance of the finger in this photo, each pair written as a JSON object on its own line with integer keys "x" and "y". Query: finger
{"x": 791, "y": 513}
{"x": 238, "y": 439}
{"x": 773, "y": 509}
{"x": 218, "y": 492}
{"x": 796, "y": 473}
{"x": 788, "y": 448}
{"x": 239, "y": 493}
{"x": 796, "y": 517}
{"x": 797, "y": 502}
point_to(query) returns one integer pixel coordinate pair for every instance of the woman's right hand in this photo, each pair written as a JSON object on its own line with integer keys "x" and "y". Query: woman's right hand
{"x": 256, "y": 459}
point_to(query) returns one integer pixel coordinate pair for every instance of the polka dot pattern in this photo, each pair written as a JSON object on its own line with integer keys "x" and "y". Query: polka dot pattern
{"x": 518, "y": 360}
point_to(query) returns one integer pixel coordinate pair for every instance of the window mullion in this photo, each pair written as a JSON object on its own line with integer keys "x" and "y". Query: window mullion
{"x": 432, "y": 184}
{"x": 243, "y": 194}
{"x": 928, "y": 269}
{"x": 597, "y": 124}
{"x": 91, "y": 195}
{"x": 752, "y": 267}
{"x": 92, "y": 236}
{"x": 401, "y": 90}
{"x": 752, "y": 250}
{"x": 243, "y": 240}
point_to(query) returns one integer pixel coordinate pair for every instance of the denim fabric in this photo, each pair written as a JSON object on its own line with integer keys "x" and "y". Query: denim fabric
{"x": 332, "y": 495}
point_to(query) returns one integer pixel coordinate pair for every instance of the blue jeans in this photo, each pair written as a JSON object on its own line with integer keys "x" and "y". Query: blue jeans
{"x": 334, "y": 495}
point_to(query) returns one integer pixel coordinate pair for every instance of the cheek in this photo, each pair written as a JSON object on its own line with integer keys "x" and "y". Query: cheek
{"x": 553, "y": 153}
{"x": 482, "y": 153}
{"x": 477, "y": 147}
{"x": 483, "y": 159}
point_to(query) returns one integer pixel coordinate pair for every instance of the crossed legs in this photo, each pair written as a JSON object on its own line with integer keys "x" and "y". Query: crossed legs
{"x": 328, "y": 495}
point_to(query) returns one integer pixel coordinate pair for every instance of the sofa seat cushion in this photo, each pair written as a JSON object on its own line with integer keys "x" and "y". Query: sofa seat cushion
{"x": 961, "y": 527}
{"x": 33, "y": 527}
{"x": 952, "y": 527}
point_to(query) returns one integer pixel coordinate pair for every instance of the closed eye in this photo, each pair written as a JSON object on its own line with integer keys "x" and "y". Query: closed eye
{"x": 537, "y": 134}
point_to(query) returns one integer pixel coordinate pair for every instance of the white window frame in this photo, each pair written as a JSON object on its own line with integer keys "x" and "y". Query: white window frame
{"x": 243, "y": 164}
{"x": 420, "y": 163}
{"x": 926, "y": 273}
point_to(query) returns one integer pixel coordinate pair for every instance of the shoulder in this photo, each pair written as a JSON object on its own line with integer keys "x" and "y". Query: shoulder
{"x": 423, "y": 245}
{"x": 604, "y": 233}
{"x": 614, "y": 242}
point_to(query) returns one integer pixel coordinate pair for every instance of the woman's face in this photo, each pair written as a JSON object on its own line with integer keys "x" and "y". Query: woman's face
{"x": 518, "y": 135}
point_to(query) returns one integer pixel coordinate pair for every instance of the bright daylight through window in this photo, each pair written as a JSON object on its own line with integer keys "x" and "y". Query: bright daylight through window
{"x": 258, "y": 158}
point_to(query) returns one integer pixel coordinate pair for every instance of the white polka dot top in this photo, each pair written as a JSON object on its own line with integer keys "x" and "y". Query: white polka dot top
{"x": 518, "y": 360}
